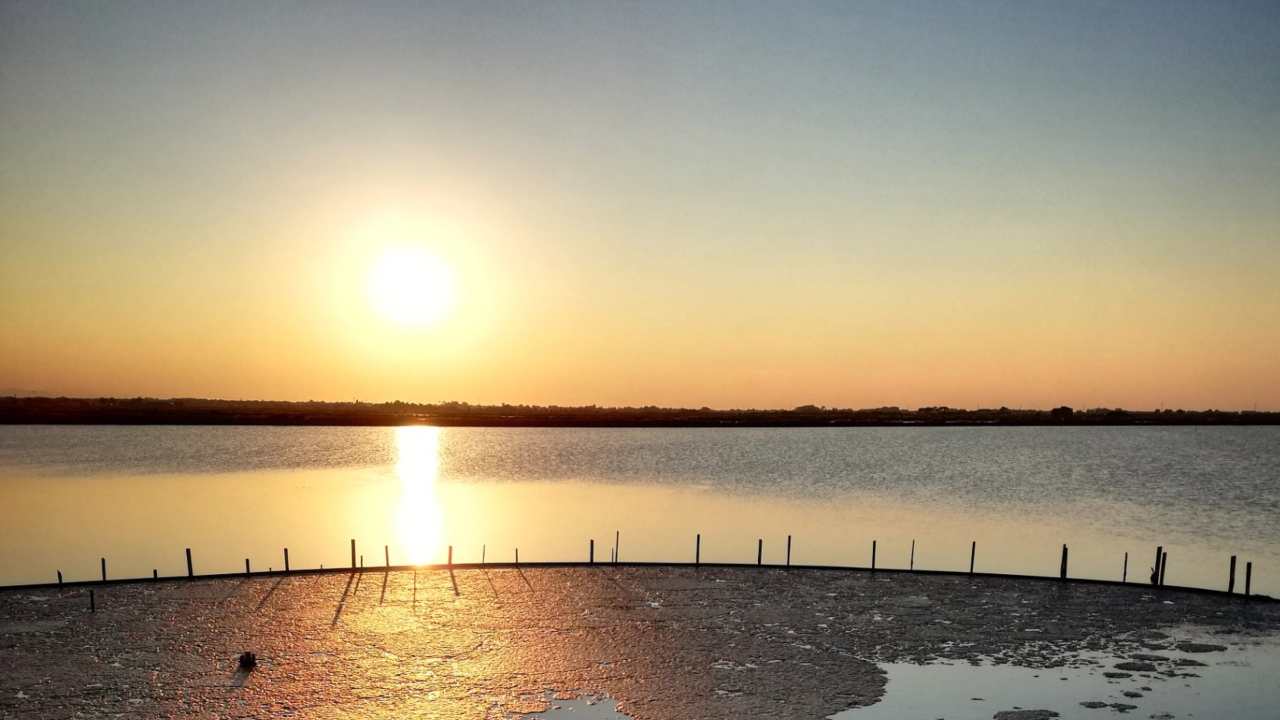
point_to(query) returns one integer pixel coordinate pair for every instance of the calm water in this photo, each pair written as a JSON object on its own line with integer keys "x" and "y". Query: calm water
{"x": 139, "y": 495}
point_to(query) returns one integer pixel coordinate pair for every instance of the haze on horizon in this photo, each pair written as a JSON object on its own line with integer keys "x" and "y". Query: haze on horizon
{"x": 723, "y": 204}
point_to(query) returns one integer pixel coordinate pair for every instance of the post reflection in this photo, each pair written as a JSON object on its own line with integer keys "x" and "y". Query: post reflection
{"x": 419, "y": 517}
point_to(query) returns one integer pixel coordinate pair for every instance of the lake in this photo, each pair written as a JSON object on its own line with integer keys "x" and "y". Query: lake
{"x": 139, "y": 495}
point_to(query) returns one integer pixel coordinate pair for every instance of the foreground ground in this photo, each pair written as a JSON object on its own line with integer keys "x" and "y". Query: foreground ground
{"x": 669, "y": 643}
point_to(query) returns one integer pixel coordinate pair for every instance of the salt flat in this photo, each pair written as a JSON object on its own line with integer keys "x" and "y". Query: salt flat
{"x": 667, "y": 643}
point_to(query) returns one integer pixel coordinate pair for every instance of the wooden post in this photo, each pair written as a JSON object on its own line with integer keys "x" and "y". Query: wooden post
{"x": 386, "y": 555}
{"x": 286, "y": 559}
{"x": 697, "y": 550}
{"x": 912, "y": 565}
{"x": 1231, "y": 578}
{"x": 361, "y": 561}
{"x": 104, "y": 569}
{"x": 591, "y": 551}
{"x": 1164, "y": 565}
{"x": 1062, "y": 568}
{"x": 1155, "y": 569}
{"x": 450, "y": 556}
{"x": 517, "y": 556}
{"x": 873, "y": 554}
{"x": 788, "y": 551}
{"x": 483, "y": 551}
{"x": 246, "y": 566}
{"x": 1248, "y": 577}
{"x": 190, "y": 571}
{"x": 93, "y": 605}
{"x": 353, "y": 553}
{"x": 155, "y": 574}
{"x": 617, "y": 539}
{"x": 59, "y": 577}
{"x": 1124, "y": 573}
{"x": 759, "y": 551}
{"x": 973, "y": 552}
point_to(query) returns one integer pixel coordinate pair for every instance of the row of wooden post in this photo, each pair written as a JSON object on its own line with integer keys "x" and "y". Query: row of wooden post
{"x": 1157, "y": 572}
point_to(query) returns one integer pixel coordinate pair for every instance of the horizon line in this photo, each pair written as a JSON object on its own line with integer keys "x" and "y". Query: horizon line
{"x": 811, "y": 408}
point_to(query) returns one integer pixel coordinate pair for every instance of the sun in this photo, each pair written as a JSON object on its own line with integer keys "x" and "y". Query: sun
{"x": 410, "y": 286}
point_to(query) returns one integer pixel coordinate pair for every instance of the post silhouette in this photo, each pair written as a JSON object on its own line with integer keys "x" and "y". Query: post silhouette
{"x": 1164, "y": 565}
{"x": 1155, "y": 569}
{"x": 450, "y": 556}
{"x": 104, "y": 569}
{"x": 697, "y": 550}
{"x": 1231, "y": 578}
{"x": 973, "y": 553}
{"x": 873, "y": 554}
{"x": 1248, "y": 577}
{"x": 59, "y": 577}
{"x": 591, "y": 551}
{"x": 759, "y": 551}
{"x": 1124, "y": 573}
{"x": 286, "y": 559}
{"x": 912, "y": 563}
{"x": 386, "y": 555}
{"x": 353, "y": 553}
{"x": 788, "y": 551}
{"x": 246, "y": 566}
{"x": 1062, "y": 569}
{"x": 617, "y": 540}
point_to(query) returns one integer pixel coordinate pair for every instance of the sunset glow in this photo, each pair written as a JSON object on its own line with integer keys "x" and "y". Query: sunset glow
{"x": 633, "y": 205}
{"x": 410, "y": 286}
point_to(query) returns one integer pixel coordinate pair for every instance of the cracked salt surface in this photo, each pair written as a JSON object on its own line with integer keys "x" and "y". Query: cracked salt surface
{"x": 487, "y": 643}
{"x": 1240, "y": 682}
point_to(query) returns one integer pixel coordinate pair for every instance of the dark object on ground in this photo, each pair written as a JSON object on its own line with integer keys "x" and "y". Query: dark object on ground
{"x": 1025, "y": 715}
{"x": 1195, "y": 647}
{"x": 248, "y": 661}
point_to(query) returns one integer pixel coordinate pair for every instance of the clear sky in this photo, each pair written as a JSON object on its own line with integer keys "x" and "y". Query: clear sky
{"x": 737, "y": 204}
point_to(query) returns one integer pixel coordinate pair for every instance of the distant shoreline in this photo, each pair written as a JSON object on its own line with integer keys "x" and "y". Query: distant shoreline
{"x": 191, "y": 411}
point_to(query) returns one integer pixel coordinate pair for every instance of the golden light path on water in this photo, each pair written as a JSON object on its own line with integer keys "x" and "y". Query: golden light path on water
{"x": 419, "y": 516}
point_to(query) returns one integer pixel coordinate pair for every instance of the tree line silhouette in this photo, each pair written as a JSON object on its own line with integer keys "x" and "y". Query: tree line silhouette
{"x": 197, "y": 411}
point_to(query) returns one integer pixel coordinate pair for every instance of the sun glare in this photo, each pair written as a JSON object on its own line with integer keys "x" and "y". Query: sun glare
{"x": 420, "y": 519}
{"x": 410, "y": 286}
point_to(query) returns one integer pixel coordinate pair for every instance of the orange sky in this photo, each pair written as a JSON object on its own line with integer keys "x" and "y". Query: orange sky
{"x": 634, "y": 207}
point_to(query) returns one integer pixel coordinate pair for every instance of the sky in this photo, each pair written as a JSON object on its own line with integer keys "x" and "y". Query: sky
{"x": 736, "y": 204}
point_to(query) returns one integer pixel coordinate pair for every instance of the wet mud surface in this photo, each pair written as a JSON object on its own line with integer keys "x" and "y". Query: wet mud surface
{"x": 674, "y": 643}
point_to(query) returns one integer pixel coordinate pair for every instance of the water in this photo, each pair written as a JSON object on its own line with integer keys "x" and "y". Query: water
{"x": 1240, "y": 684}
{"x": 140, "y": 495}
{"x": 581, "y": 708}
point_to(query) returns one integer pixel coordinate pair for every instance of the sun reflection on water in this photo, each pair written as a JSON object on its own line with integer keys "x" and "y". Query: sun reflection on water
{"x": 419, "y": 518}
